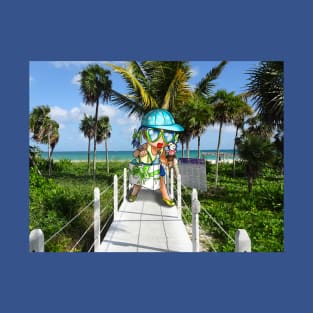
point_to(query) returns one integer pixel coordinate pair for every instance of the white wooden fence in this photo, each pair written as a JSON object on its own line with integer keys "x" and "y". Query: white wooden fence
{"x": 242, "y": 240}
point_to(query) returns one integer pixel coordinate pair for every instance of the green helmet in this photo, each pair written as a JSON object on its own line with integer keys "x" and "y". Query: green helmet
{"x": 162, "y": 119}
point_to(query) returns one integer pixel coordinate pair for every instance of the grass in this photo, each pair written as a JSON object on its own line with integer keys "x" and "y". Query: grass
{"x": 57, "y": 199}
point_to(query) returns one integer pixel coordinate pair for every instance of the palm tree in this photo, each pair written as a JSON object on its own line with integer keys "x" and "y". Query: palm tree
{"x": 104, "y": 133}
{"x": 243, "y": 110}
{"x": 87, "y": 126}
{"x": 201, "y": 116}
{"x": 266, "y": 85}
{"x": 36, "y": 120}
{"x": 49, "y": 134}
{"x": 44, "y": 129}
{"x": 95, "y": 85}
{"x": 257, "y": 127}
{"x": 224, "y": 105}
{"x": 183, "y": 114}
{"x": 152, "y": 84}
{"x": 255, "y": 151}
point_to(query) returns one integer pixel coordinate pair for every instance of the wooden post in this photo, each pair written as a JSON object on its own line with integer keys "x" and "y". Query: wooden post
{"x": 172, "y": 183}
{"x": 125, "y": 184}
{"x": 195, "y": 221}
{"x": 36, "y": 241}
{"x": 242, "y": 241}
{"x": 96, "y": 216}
{"x": 179, "y": 196}
{"x": 115, "y": 196}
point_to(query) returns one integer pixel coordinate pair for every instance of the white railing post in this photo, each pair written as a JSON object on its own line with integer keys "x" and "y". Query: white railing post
{"x": 36, "y": 241}
{"x": 195, "y": 221}
{"x": 167, "y": 173}
{"x": 179, "y": 196}
{"x": 96, "y": 217}
{"x": 115, "y": 196}
{"x": 172, "y": 183}
{"x": 125, "y": 184}
{"x": 242, "y": 241}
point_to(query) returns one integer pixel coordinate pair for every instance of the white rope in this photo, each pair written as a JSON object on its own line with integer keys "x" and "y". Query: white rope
{"x": 79, "y": 240}
{"x": 105, "y": 224}
{"x": 105, "y": 190}
{"x": 211, "y": 244}
{"x": 103, "y": 209}
{"x": 218, "y": 224}
{"x": 215, "y": 221}
{"x": 72, "y": 219}
{"x": 69, "y": 222}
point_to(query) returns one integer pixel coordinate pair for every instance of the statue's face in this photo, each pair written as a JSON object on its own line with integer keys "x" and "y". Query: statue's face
{"x": 159, "y": 138}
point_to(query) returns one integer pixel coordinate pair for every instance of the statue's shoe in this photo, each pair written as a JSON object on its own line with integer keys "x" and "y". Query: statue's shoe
{"x": 132, "y": 198}
{"x": 169, "y": 202}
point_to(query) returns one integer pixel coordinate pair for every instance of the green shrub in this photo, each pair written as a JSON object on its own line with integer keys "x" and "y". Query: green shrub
{"x": 62, "y": 165}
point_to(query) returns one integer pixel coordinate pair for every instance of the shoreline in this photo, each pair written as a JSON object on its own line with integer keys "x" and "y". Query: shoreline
{"x": 228, "y": 161}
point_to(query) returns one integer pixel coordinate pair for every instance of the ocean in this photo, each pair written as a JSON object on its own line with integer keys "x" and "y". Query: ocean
{"x": 127, "y": 155}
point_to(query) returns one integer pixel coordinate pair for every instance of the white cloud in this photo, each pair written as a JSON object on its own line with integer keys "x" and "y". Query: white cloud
{"x": 76, "y": 79}
{"x": 77, "y": 113}
{"x": 128, "y": 120}
{"x": 194, "y": 72}
{"x": 66, "y": 64}
{"x": 58, "y": 114}
{"x": 31, "y": 79}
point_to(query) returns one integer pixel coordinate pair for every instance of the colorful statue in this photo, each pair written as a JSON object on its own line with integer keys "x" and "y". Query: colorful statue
{"x": 159, "y": 129}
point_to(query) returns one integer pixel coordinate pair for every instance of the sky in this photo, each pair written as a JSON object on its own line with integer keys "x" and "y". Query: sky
{"x": 56, "y": 84}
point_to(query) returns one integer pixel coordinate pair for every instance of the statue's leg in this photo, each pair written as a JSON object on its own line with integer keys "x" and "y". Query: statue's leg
{"x": 135, "y": 190}
{"x": 163, "y": 190}
{"x": 133, "y": 195}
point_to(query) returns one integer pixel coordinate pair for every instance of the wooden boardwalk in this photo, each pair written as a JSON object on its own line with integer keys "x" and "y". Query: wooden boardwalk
{"x": 147, "y": 225}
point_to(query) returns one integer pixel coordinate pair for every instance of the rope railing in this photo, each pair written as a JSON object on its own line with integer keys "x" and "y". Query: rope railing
{"x": 77, "y": 215}
{"x": 212, "y": 218}
{"x": 69, "y": 222}
{"x": 103, "y": 227}
{"x": 218, "y": 224}
{"x": 83, "y": 235}
{"x": 215, "y": 221}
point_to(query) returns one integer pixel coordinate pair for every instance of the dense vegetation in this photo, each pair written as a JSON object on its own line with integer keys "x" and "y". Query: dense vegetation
{"x": 260, "y": 212}
{"x": 55, "y": 200}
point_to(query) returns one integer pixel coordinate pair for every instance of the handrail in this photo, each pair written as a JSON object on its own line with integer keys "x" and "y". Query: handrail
{"x": 76, "y": 216}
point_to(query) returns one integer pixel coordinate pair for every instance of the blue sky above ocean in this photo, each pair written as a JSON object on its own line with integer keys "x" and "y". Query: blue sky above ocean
{"x": 56, "y": 84}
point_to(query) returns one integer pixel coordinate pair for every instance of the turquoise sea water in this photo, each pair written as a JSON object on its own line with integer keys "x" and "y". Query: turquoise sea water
{"x": 123, "y": 155}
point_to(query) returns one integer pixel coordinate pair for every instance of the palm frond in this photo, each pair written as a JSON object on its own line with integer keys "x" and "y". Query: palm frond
{"x": 135, "y": 86}
{"x": 205, "y": 86}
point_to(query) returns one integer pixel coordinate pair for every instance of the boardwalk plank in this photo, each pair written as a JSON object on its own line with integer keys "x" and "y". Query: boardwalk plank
{"x": 146, "y": 225}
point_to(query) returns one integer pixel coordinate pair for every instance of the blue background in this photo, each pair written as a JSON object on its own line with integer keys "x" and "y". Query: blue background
{"x": 197, "y": 30}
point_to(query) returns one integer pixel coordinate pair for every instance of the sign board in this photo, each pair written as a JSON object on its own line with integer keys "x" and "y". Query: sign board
{"x": 193, "y": 173}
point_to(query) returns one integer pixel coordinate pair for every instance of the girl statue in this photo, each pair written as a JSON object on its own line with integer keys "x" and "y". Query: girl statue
{"x": 159, "y": 130}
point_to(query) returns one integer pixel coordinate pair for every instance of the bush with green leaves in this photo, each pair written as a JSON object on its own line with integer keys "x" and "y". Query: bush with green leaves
{"x": 260, "y": 212}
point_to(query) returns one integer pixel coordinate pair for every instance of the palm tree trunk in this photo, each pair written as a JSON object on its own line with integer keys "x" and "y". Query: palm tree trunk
{"x": 182, "y": 149}
{"x": 198, "y": 146}
{"x": 107, "y": 155}
{"x": 187, "y": 147}
{"x": 218, "y": 154}
{"x": 250, "y": 183}
{"x": 49, "y": 154}
{"x": 234, "y": 152}
{"x": 89, "y": 139}
{"x": 95, "y": 140}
